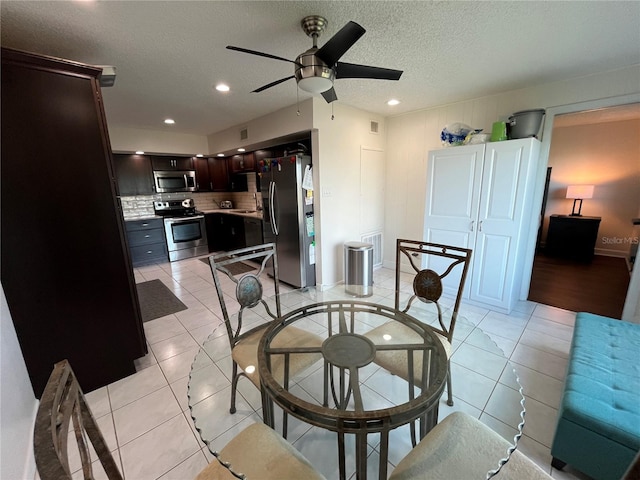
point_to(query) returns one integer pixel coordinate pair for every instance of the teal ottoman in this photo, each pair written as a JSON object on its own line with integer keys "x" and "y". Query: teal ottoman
{"x": 598, "y": 430}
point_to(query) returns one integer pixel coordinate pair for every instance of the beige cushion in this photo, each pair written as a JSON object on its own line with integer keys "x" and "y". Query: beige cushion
{"x": 261, "y": 454}
{"x": 464, "y": 447}
{"x": 396, "y": 361}
{"x": 245, "y": 353}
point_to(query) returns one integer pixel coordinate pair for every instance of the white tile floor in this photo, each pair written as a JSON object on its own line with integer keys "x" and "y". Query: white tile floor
{"x": 147, "y": 422}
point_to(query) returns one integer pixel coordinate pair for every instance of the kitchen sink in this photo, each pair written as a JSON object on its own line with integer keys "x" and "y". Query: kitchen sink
{"x": 245, "y": 211}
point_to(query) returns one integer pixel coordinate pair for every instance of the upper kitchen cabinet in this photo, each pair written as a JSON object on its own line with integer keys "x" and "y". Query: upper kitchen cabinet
{"x": 134, "y": 174}
{"x": 481, "y": 197}
{"x": 219, "y": 174}
{"x": 211, "y": 174}
{"x": 171, "y": 163}
{"x": 203, "y": 177}
{"x": 65, "y": 267}
{"x": 242, "y": 163}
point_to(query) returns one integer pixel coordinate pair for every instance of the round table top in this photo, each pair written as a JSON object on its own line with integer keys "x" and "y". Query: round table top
{"x": 343, "y": 326}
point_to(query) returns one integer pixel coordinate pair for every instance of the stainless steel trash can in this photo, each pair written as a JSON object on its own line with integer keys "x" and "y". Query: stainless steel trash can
{"x": 358, "y": 269}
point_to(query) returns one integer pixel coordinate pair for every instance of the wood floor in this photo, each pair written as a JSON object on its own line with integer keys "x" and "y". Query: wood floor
{"x": 598, "y": 287}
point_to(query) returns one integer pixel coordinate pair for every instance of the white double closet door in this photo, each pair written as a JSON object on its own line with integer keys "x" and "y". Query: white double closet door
{"x": 481, "y": 197}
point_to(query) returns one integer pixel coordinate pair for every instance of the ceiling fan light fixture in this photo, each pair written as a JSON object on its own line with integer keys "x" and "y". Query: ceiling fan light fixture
{"x": 315, "y": 84}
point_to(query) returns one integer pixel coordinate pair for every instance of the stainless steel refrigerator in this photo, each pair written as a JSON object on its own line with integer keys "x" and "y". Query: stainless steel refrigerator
{"x": 288, "y": 218}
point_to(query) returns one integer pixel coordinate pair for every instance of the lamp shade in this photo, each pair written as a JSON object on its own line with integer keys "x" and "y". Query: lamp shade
{"x": 315, "y": 84}
{"x": 580, "y": 191}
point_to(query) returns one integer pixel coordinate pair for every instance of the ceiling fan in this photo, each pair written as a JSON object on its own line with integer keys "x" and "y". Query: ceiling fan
{"x": 316, "y": 69}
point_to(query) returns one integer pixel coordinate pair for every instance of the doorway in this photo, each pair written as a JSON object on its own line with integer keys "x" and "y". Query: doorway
{"x": 606, "y": 110}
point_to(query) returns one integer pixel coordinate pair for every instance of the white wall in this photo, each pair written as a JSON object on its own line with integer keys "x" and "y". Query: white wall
{"x": 412, "y": 135}
{"x": 606, "y": 155}
{"x": 337, "y": 177}
{"x": 18, "y": 404}
{"x": 283, "y": 122}
{"x": 129, "y": 140}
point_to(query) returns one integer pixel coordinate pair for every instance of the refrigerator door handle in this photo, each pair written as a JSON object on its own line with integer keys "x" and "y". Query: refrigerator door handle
{"x": 272, "y": 213}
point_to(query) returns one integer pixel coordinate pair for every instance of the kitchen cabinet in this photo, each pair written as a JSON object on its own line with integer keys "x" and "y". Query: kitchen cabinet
{"x": 171, "y": 163}
{"x": 481, "y": 197}
{"x": 65, "y": 268}
{"x": 252, "y": 231}
{"x": 215, "y": 238}
{"x": 242, "y": 163}
{"x": 219, "y": 174}
{"x": 572, "y": 237}
{"x": 224, "y": 231}
{"x": 203, "y": 178}
{"x": 147, "y": 241}
{"x": 227, "y": 231}
{"x": 211, "y": 174}
{"x": 134, "y": 174}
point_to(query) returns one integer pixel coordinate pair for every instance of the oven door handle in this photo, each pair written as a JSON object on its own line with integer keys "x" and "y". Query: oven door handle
{"x": 184, "y": 219}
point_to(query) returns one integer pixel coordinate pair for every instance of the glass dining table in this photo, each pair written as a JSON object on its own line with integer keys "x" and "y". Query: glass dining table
{"x": 345, "y": 391}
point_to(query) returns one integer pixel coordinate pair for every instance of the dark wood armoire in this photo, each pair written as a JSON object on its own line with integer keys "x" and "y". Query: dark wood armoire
{"x": 65, "y": 269}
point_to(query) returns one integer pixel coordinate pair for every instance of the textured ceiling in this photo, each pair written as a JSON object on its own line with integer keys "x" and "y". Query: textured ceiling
{"x": 170, "y": 55}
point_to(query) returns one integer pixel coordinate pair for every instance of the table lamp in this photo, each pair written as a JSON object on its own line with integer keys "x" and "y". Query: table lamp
{"x": 577, "y": 193}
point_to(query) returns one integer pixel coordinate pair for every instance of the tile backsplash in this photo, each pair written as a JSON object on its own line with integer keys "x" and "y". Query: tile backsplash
{"x": 141, "y": 206}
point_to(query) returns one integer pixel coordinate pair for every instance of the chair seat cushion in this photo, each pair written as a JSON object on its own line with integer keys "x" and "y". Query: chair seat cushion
{"x": 396, "y": 361}
{"x": 260, "y": 454}
{"x": 463, "y": 447}
{"x": 245, "y": 353}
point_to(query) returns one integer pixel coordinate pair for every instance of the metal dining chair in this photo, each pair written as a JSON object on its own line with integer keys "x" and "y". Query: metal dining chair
{"x": 430, "y": 264}
{"x": 63, "y": 403}
{"x": 249, "y": 294}
{"x": 258, "y": 452}
{"x": 461, "y": 446}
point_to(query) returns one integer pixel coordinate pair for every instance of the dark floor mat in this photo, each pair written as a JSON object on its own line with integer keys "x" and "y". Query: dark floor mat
{"x": 156, "y": 300}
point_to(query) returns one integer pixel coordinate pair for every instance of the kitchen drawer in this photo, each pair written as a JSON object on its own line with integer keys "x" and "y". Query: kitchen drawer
{"x": 145, "y": 237}
{"x": 148, "y": 253}
{"x": 145, "y": 224}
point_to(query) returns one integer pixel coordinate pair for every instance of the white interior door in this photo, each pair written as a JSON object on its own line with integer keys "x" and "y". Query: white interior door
{"x": 504, "y": 194}
{"x": 371, "y": 191}
{"x": 453, "y": 188}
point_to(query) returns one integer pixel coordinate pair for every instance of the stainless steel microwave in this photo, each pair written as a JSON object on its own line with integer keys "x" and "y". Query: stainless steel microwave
{"x": 169, "y": 181}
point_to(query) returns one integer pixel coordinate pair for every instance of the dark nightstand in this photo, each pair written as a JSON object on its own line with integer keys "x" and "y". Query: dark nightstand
{"x": 572, "y": 237}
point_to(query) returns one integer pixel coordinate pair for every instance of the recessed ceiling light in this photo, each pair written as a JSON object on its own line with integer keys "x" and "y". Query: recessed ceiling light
{"x": 241, "y": 149}
{"x": 169, "y": 121}
{"x": 221, "y": 155}
{"x": 221, "y": 87}
{"x": 393, "y": 102}
{"x": 199, "y": 155}
{"x": 139, "y": 152}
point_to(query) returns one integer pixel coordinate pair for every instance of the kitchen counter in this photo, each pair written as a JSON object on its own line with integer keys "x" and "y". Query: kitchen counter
{"x": 236, "y": 211}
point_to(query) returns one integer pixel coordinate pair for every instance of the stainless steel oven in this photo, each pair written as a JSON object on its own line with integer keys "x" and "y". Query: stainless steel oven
{"x": 184, "y": 228}
{"x": 186, "y": 237}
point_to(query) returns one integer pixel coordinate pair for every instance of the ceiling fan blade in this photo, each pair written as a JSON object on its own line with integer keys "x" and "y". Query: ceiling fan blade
{"x": 342, "y": 41}
{"x": 330, "y": 95}
{"x": 352, "y": 70}
{"x": 261, "y": 54}
{"x": 272, "y": 84}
